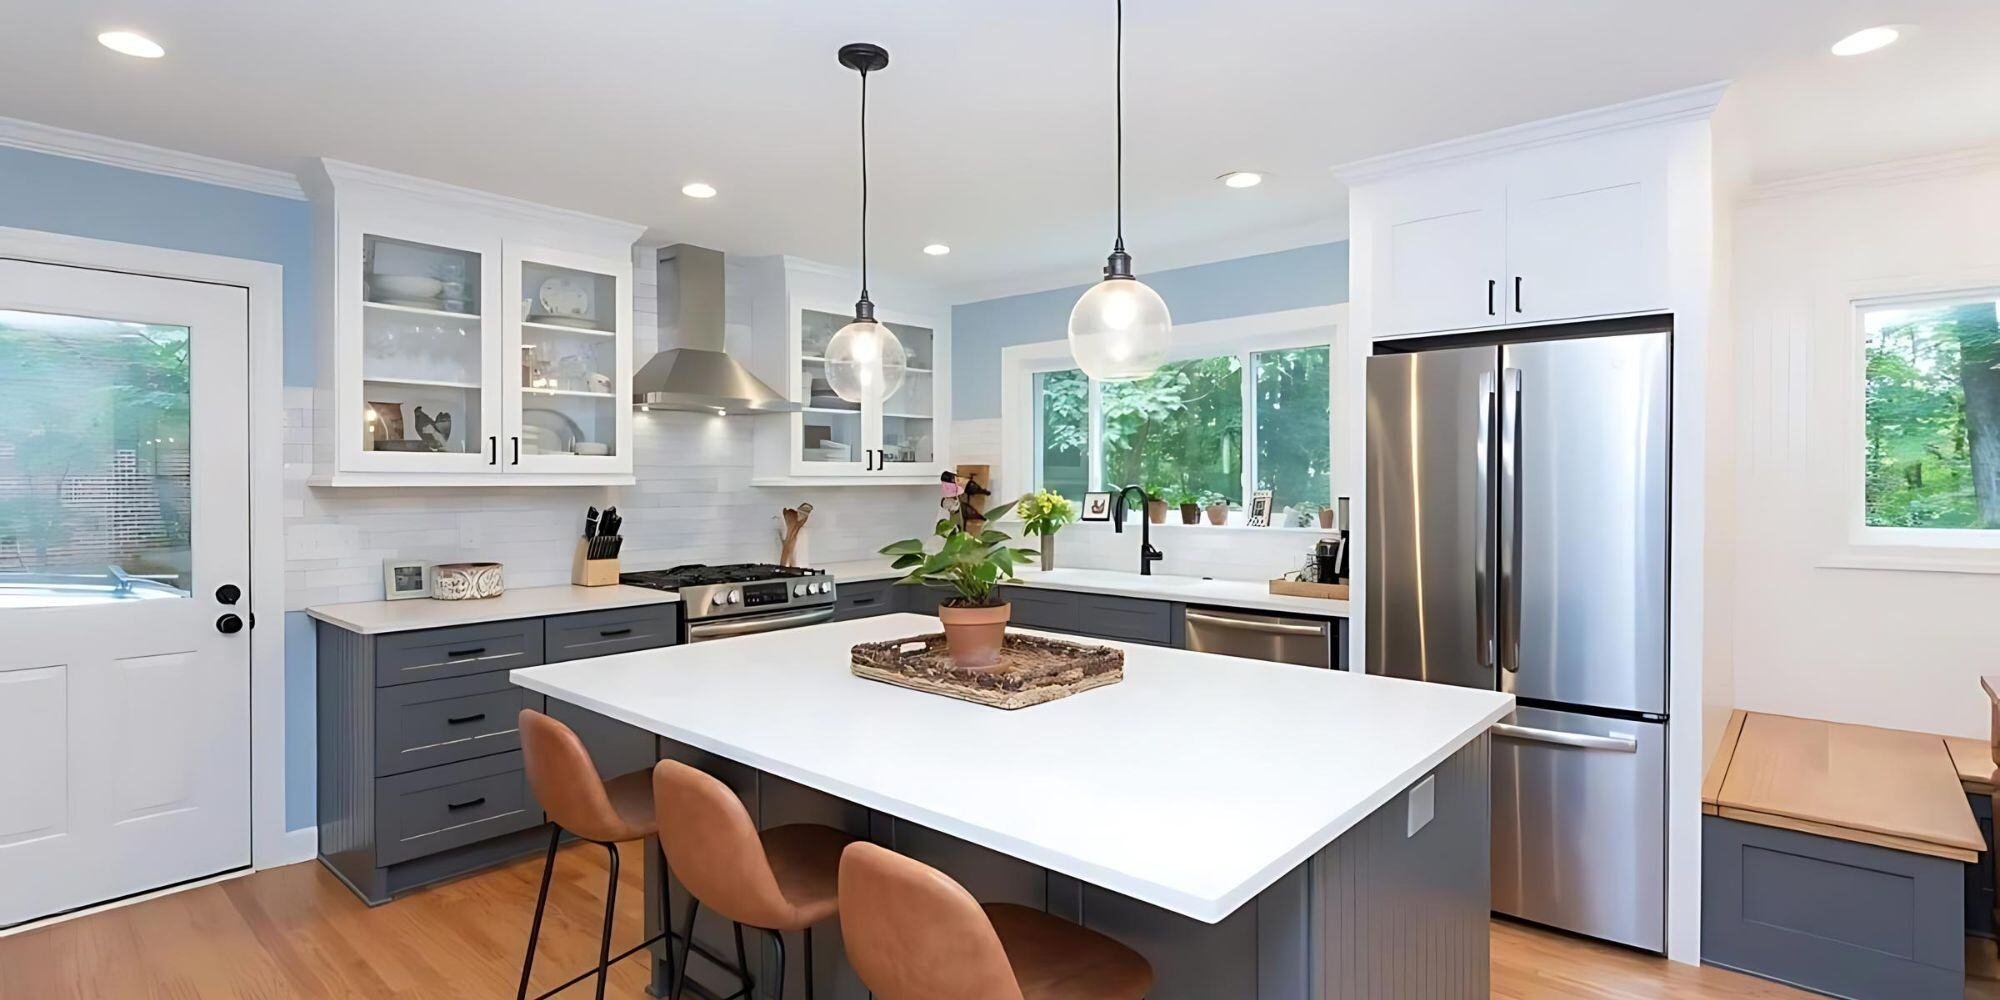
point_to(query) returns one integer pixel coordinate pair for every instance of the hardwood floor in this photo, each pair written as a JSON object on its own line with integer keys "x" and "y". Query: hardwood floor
{"x": 296, "y": 932}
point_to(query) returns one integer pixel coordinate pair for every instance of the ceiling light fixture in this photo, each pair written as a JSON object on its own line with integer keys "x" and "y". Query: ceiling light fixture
{"x": 937, "y": 249}
{"x": 131, "y": 43}
{"x": 697, "y": 189}
{"x": 1866, "y": 40}
{"x": 1242, "y": 178}
{"x": 864, "y": 359}
{"x": 1118, "y": 330}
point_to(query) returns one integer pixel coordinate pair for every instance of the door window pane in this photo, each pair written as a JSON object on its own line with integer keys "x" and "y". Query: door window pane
{"x": 1178, "y": 431}
{"x": 94, "y": 485}
{"x": 1933, "y": 415}
{"x": 1294, "y": 439}
{"x": 1062, "y": 432}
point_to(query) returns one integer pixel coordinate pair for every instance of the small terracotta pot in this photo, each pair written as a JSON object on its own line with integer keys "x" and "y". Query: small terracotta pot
{"x": 1218, "y": 513}
{"x": 973, "y": 635}
{"x": 1156, "y": 511}
{"x": 1326, "y": 517}
{"x": 1190, "y": 513}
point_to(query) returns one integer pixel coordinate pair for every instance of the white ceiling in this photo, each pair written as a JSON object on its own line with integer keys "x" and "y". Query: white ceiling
{"x": 991, "y": 128}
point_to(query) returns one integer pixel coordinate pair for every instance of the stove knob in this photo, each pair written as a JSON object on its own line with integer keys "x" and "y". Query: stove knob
{"x": 822, "y": 588}
{"x": 799, "y": 590}
{"x": 734, "y": 597}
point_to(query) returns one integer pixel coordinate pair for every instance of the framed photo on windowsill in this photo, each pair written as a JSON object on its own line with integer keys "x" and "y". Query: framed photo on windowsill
{"x": 1096, "y": 507}
{"x": 1260, "y": 509}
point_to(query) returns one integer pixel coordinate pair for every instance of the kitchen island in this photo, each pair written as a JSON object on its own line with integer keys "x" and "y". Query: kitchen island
{"x": 1255, "y": 830}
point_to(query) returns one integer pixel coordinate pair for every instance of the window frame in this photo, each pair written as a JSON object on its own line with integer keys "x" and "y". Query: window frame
{"x": 1241, "y": 336}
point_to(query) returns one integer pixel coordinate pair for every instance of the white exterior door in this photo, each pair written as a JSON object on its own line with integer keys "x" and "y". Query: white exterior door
{"x": 124, "y": 529}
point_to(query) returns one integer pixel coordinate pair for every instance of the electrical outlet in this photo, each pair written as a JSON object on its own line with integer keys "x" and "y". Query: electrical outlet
{"x": 1423, "y": 804}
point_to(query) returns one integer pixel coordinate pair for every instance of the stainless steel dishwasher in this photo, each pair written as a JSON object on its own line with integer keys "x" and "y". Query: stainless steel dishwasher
{"x": 1281, "y": 638}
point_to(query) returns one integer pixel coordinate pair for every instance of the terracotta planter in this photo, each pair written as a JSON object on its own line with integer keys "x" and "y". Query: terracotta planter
{"x": 1326, "y": 518}
{"x": 973, "y": 635}
{"x": 1156, "y": 511}
{"x": 1218, "y": 513}
{"x": 1190, "y": 513}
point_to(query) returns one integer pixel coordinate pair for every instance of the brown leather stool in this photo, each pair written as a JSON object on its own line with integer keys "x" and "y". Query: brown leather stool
{"x": 782, "y": 879}
{"x": 914, "y": 934}
{"x": 603, "y": 812}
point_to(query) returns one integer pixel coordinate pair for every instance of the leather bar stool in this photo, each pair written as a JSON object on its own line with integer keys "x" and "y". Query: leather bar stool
{"x": 777, "y": 880}
{"x": 914, "y": 934}
{"x": 608, "y": 813}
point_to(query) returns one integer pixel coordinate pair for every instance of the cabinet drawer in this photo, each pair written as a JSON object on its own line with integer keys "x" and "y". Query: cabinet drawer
{"x": 437, "y": 722}
{"x": 439, "y": 808}
{"x": 1049, "y": 609}
{"x": 406, "y": 657}
{"x": 863, "y": 599}
{"x": 601, "y": 633}
{"x": 1125, "y": 618}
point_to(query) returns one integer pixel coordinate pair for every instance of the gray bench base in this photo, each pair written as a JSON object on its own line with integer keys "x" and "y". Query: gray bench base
{"x": 1832, "y": 916}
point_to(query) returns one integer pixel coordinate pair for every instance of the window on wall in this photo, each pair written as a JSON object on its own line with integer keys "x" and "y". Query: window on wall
{"x": 1933, "y": 413}
{"x": 1204, "y": 428}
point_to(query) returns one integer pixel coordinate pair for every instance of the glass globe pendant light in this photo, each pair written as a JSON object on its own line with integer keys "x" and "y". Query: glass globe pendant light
{"x": 864, "y": 358}
{"x": 1118, "y": 330}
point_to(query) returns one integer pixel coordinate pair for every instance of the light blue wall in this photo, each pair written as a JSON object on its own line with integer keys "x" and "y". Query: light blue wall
{"x": 56, "y": 194}
{"x": 1245, "y": 286}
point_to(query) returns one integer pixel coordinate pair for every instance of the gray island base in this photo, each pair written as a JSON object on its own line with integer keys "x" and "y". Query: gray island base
{"x": 1396, "y": 907}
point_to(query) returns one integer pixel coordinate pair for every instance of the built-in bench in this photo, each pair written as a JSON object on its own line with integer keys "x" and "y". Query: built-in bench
{"x": 1835, "y": 856}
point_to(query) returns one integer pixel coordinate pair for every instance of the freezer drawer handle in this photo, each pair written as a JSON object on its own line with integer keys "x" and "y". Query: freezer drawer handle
{"x": 1616, "y": 742}
{"x": 1249, "y": 625}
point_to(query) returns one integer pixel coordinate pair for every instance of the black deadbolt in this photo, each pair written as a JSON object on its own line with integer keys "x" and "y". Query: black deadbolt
{"x": 228, "y": 593}
{"x": 229, "y": 624}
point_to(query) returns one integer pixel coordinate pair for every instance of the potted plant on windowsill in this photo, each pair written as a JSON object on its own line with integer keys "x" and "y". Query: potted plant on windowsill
{"x": 1043, "y": 514}
{"x": 973, "y": 565}
{"x": 1217, "y": 506}
{"x": 1156, "y": 504}
{"x": 1189, "y": 504}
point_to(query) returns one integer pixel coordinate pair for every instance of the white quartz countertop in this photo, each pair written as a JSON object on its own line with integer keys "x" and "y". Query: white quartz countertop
{"x": 376, "y": 617}
{"x": 1192, "y": 784}
{"x": 1246, "y": 595}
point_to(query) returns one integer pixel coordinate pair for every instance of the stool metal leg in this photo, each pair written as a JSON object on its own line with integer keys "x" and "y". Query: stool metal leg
{"x": 610, "y": 910}
{"x": 541, "y": 903}
{"x": 809, "y": 963}
{"x": 687, "y": 946}
{"x": 743, "y": 964}
{"x": 778, "y": 942}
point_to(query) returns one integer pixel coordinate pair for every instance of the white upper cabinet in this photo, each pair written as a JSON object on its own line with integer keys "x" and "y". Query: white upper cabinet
{"x": 1587, "y": 229}
{"x": 467, "y": 339}
{"x": 1442, "y": 241}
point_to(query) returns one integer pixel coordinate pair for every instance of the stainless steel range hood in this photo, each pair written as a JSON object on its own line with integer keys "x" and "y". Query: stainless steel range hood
{"x": 691, "y": 372}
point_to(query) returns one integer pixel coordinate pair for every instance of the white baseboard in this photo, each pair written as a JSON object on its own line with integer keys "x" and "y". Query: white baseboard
{"x": 300, "y": 845}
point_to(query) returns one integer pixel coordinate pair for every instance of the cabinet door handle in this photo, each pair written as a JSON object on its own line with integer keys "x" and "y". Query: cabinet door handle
{"x": 517, "y": 451}
{"x": 871, "y": 459}
{"x": 474, "y": 651}
{"x": 612, "y": 633}
{"x": 1490, "y": 285}
{"x": 1517, "y": 293}
{"x": 463, "y": 719}
{"x": 467, "y": 804}
{"x": 494, "y": 443}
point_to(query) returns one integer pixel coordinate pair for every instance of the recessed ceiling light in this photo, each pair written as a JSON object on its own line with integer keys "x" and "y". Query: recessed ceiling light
{"x": 131, "y": 43}
{"x": 1242, "y": 178}
{"x": 937, "y": 249}
{"x": 1866, "y": 40}
{"x": 698, "y": 190}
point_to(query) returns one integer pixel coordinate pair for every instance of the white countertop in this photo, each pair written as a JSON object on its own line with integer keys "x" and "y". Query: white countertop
{"x": 1244, "y": 594}
{"x": 376, "y": 617}
{"x": 1193, "y": 784}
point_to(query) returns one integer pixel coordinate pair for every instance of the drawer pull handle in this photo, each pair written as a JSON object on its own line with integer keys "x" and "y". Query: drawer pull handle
{"x": 474, "y": 651}
{"x": 463, "y": 719}
{"x": 456, "y": 806}
{"x": 611, "y": 632}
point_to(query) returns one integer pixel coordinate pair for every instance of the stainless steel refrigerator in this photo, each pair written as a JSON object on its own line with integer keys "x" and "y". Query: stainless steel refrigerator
{"x": 1517, "y": 499}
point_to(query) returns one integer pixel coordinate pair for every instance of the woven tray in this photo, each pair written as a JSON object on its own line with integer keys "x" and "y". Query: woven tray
{"x": 1030, "y": 671}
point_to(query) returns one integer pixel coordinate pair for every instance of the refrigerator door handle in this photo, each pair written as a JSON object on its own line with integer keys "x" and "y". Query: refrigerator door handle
{"x": 1616, "y": 742}
{"x": 1510, "y": 520}
{"x": 1483, "y": 598}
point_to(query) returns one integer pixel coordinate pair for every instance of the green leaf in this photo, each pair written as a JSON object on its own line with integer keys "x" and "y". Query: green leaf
{"x": 996, "y": 513}
{"x": 906, "y": 546}
{"x": 907, "y": 560}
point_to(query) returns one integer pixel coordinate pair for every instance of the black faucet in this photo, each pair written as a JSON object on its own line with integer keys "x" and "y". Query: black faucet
{"x": 1148, "y": 555}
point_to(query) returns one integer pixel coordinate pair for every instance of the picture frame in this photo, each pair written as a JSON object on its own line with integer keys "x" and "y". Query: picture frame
{"x": 1260, "y": 509}
{"x": 404, "y": 579}
{"x": 1096, "y": 507}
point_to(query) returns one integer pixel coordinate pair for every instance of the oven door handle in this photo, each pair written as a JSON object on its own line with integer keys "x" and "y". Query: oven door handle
{"x": 751, "y": 626}
{"x": 1255, "y": 624}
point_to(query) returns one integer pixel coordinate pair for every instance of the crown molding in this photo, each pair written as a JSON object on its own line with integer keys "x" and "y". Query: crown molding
{"x": 1900, "y": 171}
{"x": 342, "y": 174}
{"x": 40, "y": 138}
{"x": 1693, "y": 103}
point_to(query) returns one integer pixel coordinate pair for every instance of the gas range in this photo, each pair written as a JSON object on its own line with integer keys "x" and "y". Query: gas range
{"x": 745, "y": 594}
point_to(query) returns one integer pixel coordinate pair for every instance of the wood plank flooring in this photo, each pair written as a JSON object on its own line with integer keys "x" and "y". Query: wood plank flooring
{"x": 297, "y": 933}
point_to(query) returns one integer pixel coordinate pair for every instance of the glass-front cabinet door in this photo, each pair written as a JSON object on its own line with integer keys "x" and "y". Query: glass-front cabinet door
{"x": 908, "y": 430}
{"x": 881, "y": 436}
{"x": 569, "y": 350}
{"x": 425, "y": 351}
{"x": 834, "y": 434}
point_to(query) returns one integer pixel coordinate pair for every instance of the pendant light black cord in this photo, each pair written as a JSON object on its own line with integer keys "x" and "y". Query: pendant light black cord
{"x": 864, "y": 184}
{"x": 1118, "y": 64}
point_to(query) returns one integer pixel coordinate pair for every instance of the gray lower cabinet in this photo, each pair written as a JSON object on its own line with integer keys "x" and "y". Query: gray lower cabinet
{"x": 866, "y": 599}
{"x": 420, "y": 774}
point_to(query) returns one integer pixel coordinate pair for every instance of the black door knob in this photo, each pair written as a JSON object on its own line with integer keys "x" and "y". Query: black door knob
{"x": 228, "y": 593}
{"x": 229, "y": 624}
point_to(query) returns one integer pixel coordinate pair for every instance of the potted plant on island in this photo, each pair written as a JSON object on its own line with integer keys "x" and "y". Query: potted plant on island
{"x": 1043, "y": 514}
{"x": 974, "y": 565}
{"x": 1189, "y": 503}
{"x": 1217, "y": 506}
{"x": 1156, "y": 504}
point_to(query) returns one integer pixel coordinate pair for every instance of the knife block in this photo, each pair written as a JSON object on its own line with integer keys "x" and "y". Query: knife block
{"x": 588, "y": 572}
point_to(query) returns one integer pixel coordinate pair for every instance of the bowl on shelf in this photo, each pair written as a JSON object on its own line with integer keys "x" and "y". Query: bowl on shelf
{"x": 407, "y": 288}
{"x": 402, "y": 446}
{"x": 591, "y": 448}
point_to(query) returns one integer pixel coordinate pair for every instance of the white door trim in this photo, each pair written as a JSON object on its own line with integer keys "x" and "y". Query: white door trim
{"x": 270, "y": 844}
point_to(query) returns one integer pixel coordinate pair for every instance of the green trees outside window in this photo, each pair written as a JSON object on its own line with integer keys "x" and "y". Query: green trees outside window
{"x": 1933, "y": 415}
